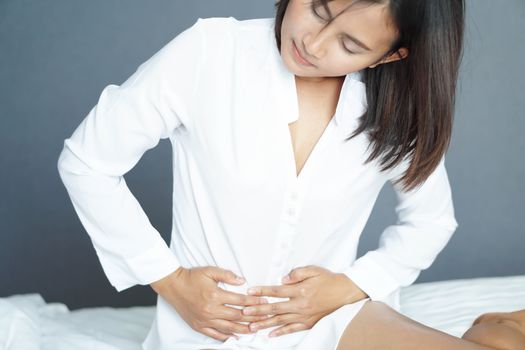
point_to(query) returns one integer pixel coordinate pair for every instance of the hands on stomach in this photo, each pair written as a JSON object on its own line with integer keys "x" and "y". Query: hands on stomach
{"x": 195, "y": 294}
{"x": 313, "y": 292}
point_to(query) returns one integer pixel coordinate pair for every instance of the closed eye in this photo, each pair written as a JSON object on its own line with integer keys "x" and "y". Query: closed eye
{"x": 312, "y": 7}
{"x": 344, "y": 47}
{"x": 314, "y": 11}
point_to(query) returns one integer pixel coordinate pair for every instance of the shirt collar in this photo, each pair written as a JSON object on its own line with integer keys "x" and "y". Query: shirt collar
{"x": 352, "y": 101}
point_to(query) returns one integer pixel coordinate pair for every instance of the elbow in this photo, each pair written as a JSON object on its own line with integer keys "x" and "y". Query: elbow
{"x": 450, "y": 225}
{"x": 64, "y": 167}
{"x": 66, "y": 162}
{"x": 69, "y": 165}
{"x": 61, "y": 162}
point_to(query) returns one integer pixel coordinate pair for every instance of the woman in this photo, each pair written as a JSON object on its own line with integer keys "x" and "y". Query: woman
{"x": 267, "y": 181}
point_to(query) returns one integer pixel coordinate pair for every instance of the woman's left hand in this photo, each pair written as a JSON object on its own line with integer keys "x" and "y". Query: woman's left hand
{"x": 314, "y": 292}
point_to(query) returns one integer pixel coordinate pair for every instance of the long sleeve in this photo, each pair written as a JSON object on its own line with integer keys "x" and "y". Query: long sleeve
{"x": 425, "y": 224}
{"x": 127, "y": 121}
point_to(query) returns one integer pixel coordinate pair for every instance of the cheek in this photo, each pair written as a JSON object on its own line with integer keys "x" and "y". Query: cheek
{"x": 295, "y": 18}
{"x": 358, "y": 62}
{"x": 339, "y": 63}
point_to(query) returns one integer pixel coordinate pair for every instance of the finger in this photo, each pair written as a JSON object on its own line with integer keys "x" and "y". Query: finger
{"x": 288, "y": 328}
{"x": 233, "y": 298}
{"x": 282, "y": 291}
{"x": 233, "y": 314}
{"x": 215, "y": 334}
{"x": 271, "y": 308}
{"x": 301, "y": 273}
{"x": 223, "y": 275}
{"x": 274, "y": 321}
{"x": 226, "y": 326}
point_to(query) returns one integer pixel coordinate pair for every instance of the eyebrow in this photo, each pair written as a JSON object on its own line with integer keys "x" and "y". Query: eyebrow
{"x": 357, "y": 41}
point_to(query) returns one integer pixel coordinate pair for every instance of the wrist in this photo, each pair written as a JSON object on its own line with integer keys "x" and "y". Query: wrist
{"x": 160, "y": 285}
{"x": 352, "y": 291}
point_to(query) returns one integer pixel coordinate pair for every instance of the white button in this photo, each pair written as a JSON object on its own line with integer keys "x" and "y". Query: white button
{"x": 279, "y": 262}
{"x": 285, "y": 245}
{"x": 291, "y": 230}
{"x": 290, "y": 211}
{"x": 294, "y": 196}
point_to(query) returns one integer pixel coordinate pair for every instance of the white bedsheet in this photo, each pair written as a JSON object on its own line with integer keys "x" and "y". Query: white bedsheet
{"x": 27, "y": 322}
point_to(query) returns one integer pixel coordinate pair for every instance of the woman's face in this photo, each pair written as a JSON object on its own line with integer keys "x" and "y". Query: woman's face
{"x": 325, "y": 44}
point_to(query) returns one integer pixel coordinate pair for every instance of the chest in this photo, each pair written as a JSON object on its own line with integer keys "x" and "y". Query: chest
{"x": 253, "y": 137}
{"x": 316, "y": 109}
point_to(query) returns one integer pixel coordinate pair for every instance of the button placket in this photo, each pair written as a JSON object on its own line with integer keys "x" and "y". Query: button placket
{"x": 288, "y": 227}
{"x": 292, "y": 207}
{"x": 285, "y": 245}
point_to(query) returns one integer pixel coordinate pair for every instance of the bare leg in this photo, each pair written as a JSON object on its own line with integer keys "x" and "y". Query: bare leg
{"x": 379, "y": 327}
{"x": 501, "y": 330}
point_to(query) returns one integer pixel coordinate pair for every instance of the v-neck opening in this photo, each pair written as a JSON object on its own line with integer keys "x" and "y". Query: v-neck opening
{"x": 289, "y": 102}
{"x": 298, "y": 177}
{"x": 315, "y": 149}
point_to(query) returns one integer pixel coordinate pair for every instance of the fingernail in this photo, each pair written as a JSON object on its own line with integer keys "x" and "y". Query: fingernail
{"x": 240, "y": 279}
{"x": 286, "y": 278}
{"x": 252, "y": 290}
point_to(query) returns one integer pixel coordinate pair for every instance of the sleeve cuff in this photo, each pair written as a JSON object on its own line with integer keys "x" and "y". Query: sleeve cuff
{"x": 151, "y": 265}
{"x": 373, "y": 279}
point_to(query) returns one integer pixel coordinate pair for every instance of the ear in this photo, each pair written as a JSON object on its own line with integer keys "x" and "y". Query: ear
{"x": 398, "y": 55}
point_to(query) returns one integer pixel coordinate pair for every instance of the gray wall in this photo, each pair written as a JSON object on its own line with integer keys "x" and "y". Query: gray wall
{"x": 56, "y": 57}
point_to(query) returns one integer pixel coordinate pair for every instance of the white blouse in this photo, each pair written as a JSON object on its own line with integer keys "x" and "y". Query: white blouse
{"x": 222, "y": 95}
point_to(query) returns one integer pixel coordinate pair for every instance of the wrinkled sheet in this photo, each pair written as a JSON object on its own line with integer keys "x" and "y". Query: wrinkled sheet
{"x": 28, "y": 322}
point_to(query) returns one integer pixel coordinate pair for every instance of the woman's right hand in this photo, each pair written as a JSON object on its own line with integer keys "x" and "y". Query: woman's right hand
{"x": 197, "y": 298}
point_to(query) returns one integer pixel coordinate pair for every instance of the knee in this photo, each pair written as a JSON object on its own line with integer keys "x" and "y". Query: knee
{"x": 497, "y": 332}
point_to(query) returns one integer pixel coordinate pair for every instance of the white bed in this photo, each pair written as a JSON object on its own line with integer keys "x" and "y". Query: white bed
{"x": 27, "y": 322}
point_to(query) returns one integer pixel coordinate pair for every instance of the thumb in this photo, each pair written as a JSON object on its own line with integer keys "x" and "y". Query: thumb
{"x": 224, "y": 275}
{"x": 298, "y": 274}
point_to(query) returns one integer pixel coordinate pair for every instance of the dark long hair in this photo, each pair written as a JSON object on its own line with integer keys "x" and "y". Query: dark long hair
{"x": 411, "y": 101}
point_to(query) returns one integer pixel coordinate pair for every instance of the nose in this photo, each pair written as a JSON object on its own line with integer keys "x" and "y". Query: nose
{"x": 315, "y": 44}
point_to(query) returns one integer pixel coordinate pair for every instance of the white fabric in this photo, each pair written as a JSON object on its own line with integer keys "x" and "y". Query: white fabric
{"x": 27, "y": 322}
{"x": 452, "y": 305}
{"x": 222, "y": 95}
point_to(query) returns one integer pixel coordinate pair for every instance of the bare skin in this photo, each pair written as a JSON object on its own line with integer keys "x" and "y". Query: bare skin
{"x": 318, "y": 86}
{"x": 315, "y": 110}
{"x": 501, "y": 330}
{"x": 378, "y": 326}
{"x": 195, "y": 294}
{"x": 330, "y": 53}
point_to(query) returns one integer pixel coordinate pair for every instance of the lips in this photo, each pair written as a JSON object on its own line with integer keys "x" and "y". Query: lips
{"x": 299, "y": 58}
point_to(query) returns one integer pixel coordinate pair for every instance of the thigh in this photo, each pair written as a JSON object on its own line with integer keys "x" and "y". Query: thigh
{"x": 378, "y": 326}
